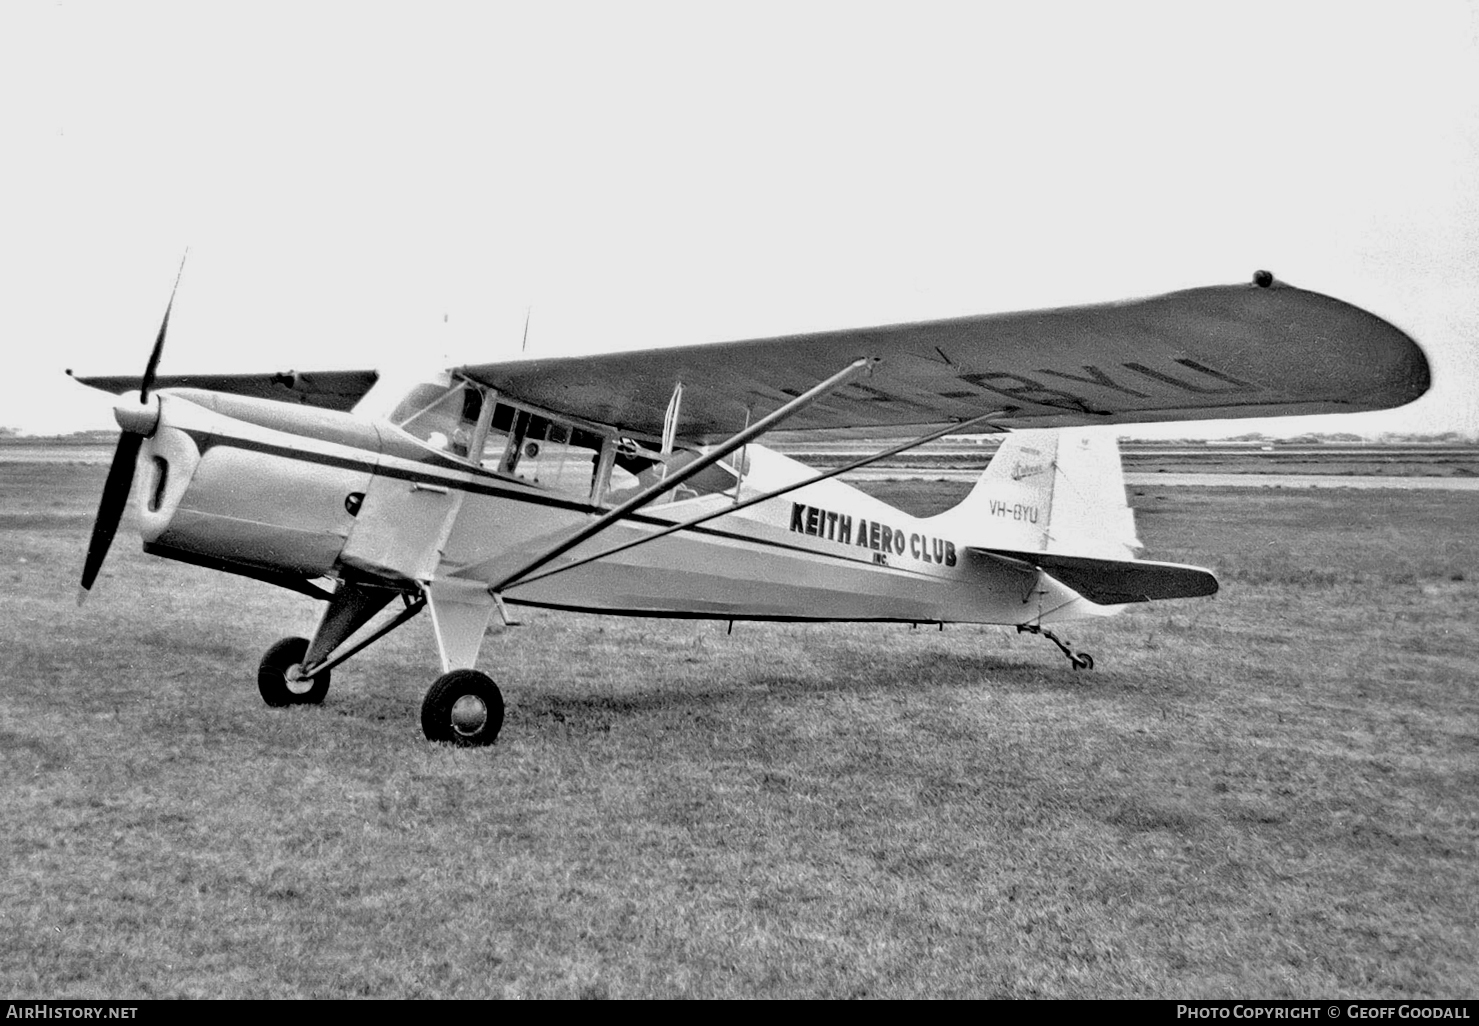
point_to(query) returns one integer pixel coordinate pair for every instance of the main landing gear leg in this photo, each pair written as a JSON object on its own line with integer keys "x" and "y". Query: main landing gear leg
{"x": 1080, "y": 660}
{"x": 463, "y": 706}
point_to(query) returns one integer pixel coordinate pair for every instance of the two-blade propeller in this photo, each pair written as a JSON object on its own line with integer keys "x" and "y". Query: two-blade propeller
{"x": 121, "y": 473}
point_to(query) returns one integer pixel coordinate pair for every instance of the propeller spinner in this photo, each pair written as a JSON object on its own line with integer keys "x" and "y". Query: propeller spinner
{"x": 138, "y": 421}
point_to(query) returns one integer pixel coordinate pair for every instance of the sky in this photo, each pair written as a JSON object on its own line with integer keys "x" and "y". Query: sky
{"x": 374, "y": 184}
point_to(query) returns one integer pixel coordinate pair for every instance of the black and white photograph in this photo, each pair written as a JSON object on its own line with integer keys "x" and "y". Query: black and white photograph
{"x": 816, "y": 500}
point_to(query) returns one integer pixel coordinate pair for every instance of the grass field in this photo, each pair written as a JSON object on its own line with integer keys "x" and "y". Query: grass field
{"x": 1270, "y": 793}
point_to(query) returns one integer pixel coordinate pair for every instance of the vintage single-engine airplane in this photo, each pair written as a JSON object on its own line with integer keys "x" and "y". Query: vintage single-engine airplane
{"x": 632, "y": 483}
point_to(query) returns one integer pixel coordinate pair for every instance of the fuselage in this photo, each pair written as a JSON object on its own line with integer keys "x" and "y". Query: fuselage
{"x": 289, "y": 494}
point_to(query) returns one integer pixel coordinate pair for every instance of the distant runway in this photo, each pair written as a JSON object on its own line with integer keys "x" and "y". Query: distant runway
{"x": 1191, "y": 480}
{"x": 1456, "y": 484}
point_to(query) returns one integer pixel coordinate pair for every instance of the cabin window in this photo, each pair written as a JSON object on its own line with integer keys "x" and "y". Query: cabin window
{"x": 444, "y": 418}
{"x": 545, "y": 451}
{"x": 500, "y": 430}
{"x": 636, "y": 468}
{"x": 550, "y": 453}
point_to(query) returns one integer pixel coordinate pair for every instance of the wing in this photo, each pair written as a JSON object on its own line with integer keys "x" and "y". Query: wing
{"x": 331, "y": 390}
{"x": 1221, "y": 351}
{"x": 1208, "y": 353}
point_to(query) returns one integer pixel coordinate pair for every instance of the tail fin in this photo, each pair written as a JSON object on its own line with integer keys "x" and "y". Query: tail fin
{"x": 1053, "y": 502}
{"x": 1053, "y": 490}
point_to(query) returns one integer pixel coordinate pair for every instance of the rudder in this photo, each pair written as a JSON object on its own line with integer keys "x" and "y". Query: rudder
{"x": 1055, "y": 490}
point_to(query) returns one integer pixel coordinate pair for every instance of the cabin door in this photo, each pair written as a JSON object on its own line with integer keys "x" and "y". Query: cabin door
{"x": 402, "y": 527}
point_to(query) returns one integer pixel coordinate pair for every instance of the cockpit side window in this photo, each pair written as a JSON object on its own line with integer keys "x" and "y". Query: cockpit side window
{"x": 500, "y": 429}
{"x": 551, "y": 453}
{"x": 636, "y": 468}
{"x": 458, "y": 418}
{"x": 444, "y": 418}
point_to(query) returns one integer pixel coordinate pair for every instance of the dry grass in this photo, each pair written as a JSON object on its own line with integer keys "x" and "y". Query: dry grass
{"x": 1270, "y": 793}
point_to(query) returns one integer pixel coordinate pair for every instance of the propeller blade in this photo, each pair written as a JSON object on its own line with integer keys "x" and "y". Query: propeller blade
{"x": 153, "y": 365}
{"x": 120, "y": 478}
{"x": 110, "y": 508}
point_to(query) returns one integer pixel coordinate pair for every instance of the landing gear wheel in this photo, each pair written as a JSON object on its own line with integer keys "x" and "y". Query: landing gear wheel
{"x": 1082, "y": 661}
{"x": 277, "y": 676}
{"x": 464, "y": 707}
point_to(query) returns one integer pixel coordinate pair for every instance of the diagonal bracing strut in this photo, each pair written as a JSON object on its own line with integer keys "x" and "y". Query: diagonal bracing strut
{"x": 413, "y": 606}
{"x": 595, "y": 527}
{"x": 777, "y": 493}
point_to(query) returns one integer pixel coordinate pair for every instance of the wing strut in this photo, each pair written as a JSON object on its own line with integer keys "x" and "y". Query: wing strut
{"x": 856, "y": 464}
{"x": 764, "y": 424}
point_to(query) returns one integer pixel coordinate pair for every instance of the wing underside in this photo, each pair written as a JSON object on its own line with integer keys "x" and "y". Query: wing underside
{"x": 329, "y": 390}
{"x": 1207, "y": 353}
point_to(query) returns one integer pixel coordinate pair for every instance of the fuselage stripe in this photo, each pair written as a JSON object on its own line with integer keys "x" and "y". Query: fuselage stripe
{"x": 208, "y": 440}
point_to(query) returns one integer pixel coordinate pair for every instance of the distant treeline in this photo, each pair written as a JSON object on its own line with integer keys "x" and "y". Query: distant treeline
{"x": 74, "y": 438}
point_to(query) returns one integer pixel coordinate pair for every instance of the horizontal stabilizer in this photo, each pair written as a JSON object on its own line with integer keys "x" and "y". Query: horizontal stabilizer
{"x": 1113, "y": 582}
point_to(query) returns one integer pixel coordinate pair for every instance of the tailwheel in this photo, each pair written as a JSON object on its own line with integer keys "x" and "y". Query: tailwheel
{"x": 464, "y": 707}
{"x": 280, "y": 680}
{"x": 1079, "y": 660}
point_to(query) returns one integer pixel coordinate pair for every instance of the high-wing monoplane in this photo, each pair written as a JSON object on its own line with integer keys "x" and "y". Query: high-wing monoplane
{"x": 634, "y": 483}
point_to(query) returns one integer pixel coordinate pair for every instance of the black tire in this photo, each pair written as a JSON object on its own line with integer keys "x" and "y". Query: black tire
{"x": 463, "y": 707}
{"x": 273, "y": 680}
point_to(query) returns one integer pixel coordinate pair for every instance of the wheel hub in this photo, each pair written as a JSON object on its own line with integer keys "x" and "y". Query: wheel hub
{"x": 469, "y": 715}
{"x": 295, "y": 681}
